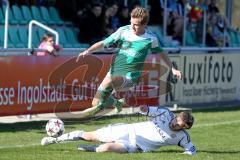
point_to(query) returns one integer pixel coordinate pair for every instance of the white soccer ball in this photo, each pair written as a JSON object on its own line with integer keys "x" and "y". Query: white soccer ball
{"x": 55, "y": 127}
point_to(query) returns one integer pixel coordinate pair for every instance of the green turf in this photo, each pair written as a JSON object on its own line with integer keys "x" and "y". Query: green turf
{"x": 215, "y": 134}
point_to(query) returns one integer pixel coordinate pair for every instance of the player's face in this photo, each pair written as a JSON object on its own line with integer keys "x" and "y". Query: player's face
{"x": 137, "y": 27}
{"x": 50, "y": 41}
{"x": 97, "y": 10}
{"x": 177, "y": 124}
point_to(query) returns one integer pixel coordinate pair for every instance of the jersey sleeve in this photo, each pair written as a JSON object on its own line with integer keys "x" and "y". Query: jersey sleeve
{"x": 152, "y": 111}
{"x": 155, "y": 111}
{"x": 155, "y": 46}
{"x": 113, "y": 38}
{"x": 188, "y": 146}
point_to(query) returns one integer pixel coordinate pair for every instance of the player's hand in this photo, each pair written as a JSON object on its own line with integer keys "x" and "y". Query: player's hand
{"x": 188, "y": 153}
{"x": 177, "y": 73}
{"x": 143, "y": 108}
{"x": 82, "y": 54}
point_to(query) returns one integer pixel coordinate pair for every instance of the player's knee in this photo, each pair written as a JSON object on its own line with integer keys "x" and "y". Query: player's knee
{"x": 111, "y": 147}
{"x": 104, "y": 148}
{"x": 95, "y": 102}
{"x": 89, "y": 136}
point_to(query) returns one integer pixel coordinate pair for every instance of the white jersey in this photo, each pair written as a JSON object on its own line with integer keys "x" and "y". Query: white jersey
{"x": 148, "y": 135}
{"x": 156, "y": 133}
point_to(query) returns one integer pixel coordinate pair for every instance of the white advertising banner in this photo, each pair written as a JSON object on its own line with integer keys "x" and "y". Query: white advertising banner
{"x": 206, "y": 78}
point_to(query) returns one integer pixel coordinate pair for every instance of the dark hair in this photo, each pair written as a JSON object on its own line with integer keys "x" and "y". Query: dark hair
{"x": 96, "y": 4}
{"x": 47, "y": 36}
{"x": 187, "y": 118}
{"x": 213, "y": 9}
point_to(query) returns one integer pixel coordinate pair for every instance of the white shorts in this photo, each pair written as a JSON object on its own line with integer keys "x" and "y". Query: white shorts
{"x": 126, "y": 85}
{"x": 118, "y": 133}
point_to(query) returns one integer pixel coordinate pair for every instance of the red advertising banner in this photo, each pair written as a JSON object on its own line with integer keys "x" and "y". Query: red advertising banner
{"x": 31, "y": 84}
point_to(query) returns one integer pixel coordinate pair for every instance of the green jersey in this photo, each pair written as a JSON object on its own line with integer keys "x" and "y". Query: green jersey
{"x": 133, "y": 50}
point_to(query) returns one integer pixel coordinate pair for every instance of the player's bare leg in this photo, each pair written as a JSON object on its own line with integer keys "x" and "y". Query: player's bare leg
{"x": 89, "y": 136}
{"x": 111, "y": 147}
{"x": 106, "y": 147}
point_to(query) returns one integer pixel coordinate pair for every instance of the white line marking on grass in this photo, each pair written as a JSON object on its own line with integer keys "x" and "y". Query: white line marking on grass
{"x": 197, "y": 125}
{"x": 20, "y": 145}
{"x": 217, "y": 124}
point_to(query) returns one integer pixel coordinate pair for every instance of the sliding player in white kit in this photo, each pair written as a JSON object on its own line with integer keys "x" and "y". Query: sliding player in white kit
{"x": 163, "y": 129}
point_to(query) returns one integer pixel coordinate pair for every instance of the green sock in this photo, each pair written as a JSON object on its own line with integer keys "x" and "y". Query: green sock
{"x": 105, "y": 93}
{"x": 111, "y": 101}
{"x": 108, "y": 103}
{"x": 105, "y": 98}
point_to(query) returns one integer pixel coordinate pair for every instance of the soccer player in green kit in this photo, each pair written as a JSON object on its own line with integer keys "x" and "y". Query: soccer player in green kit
{"x": 135, "y": 43}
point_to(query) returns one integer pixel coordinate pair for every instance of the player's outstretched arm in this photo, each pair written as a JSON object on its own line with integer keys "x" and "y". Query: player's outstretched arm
{"x": 149, "y": 110}
{"x": 143, "y": 109}
{"x": 189, "y": 153}
{"x": 189, "y": 148}
{"x": 175, "y": 72}
{"x": 97, "y": 46}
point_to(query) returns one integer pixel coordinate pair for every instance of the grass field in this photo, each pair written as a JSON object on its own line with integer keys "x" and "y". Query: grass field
{"x": 215, "y": 134}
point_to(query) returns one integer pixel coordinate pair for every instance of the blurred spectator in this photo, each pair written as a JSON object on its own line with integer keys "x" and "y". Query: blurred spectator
{"x": 175, "y": 19}
{"x": 82, "y": 7}
{"x": 48, "y": 45}
{"x": 212, "y": 7}
{"x": 107, "y": 21}
{"x": 216, "y": 27}
{"x": 69, "y": 9}
{"x": 111, "y": 20}
{"x": 115, "y": 24}
{"x": 130, "y": 3}
{"x": 196, "y": 18}
{"x": 196, "y": 11}
{"x": 124, "y": 16}
{"x": 216, "y": 31}
{"x": 155, "y": 11}
{"x": 91, "y": 24}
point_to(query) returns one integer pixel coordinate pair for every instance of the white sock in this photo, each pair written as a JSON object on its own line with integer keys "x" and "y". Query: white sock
{"x": 71, "y": 136}
{"x": 97, "y": 149}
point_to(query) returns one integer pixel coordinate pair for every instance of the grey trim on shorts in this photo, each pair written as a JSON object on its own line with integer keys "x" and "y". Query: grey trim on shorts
{"x": 127, "y": 83}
